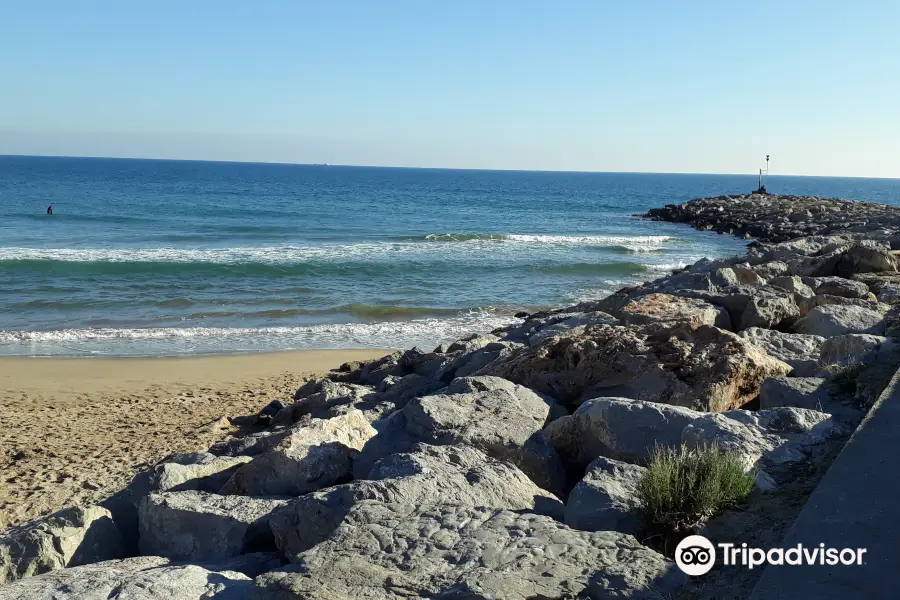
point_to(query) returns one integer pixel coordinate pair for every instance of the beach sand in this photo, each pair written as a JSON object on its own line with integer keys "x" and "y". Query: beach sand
{"x": 72, "y": 431}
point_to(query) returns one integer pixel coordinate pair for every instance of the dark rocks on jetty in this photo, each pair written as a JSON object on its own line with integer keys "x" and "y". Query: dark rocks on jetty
{"x": 774, "y": 218}
{"x": 505, "y": 465}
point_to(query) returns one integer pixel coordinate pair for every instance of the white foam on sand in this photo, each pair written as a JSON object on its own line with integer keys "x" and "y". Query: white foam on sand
{"x": 427, "y": 332}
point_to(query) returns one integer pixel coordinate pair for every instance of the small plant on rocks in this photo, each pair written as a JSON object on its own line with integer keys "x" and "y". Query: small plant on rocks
{"x": 684, "y": 487}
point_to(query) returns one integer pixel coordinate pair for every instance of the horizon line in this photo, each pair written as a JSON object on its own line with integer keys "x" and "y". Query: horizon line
{"x": 299, "y": 164}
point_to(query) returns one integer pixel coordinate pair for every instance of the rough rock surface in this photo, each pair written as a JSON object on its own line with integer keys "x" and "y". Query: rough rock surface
{"x": 704, "y": 367}
{"x": 139, "y": 578}
{"x": 799, "y": 351}
{"x": 391, "y": 551}
{"x": 618, "y": 428}
{"x": 197, "y": 526}
{"x": 457, "y": 475}
{"x": 605, "y": 499}
{"x": 68, "y": 538}
{"x": 777, "y": 435}
{"x": 665, "y": 308}
{"x": 852, "y": 349}
{"x": 197, "y": 471}
{"x": 505, "y": 423}
{"x": 629, "y": 430}
{"x": 831, "y": 320}
{"x": 315, "y": 455}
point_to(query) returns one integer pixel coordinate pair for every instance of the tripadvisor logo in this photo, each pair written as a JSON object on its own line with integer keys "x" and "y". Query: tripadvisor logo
{"x": 696, "y": 555}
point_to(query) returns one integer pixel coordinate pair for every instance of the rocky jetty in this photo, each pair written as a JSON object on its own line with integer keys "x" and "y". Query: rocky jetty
{"x": 778, "y": 218}
{"x": 505, "y": 465}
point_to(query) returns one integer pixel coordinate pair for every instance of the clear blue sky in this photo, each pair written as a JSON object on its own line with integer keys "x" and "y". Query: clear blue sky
{"x": 695, "y": 86}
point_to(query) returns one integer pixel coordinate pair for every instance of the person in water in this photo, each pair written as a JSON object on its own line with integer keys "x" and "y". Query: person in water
{"x": 50, "y": 210}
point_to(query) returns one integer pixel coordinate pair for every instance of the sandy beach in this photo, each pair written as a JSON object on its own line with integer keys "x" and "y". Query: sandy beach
{"x": 74, "y": 430}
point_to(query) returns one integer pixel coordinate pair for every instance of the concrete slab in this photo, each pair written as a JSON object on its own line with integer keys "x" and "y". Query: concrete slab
{"x": 856, "y": 505}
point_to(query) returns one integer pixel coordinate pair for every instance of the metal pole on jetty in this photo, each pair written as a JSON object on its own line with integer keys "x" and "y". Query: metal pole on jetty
{"x": 761, "y": 189}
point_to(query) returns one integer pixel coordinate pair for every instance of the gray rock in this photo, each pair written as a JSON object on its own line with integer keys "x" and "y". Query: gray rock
{"x": 318, "y": 396}
{"x": 606, "y": 498}
{"x": 853, "y": 348}
{"x": 769, "y": 309}
{"x": 838, "y": 286}
{"x": 824, "y": 300}
{"x": 71, "y": 537}
{"x": 763, "y": 438}
{"x": 567, "y": 325}
{"x": 811, "y": 393}
{"x": 457, "y": 475}
{"x": 315, "y": 455}
{"x": 799, "y": 351}
{"x": 197, "y": 526}
{"x": 831, "y": 320}
{"x": 139, "y": 578}
{"x": 471, "y": 364}
{"x": 799, "y": 392}
{"x": 472, "y": 342}
{"x": 795, "y": 285}
{"x": 196, "y": 471}
{"x": 865, "y": 259}
{"x": 771, "y": 270}
{"x": 506, "y": 424}
{"x": 747, "y": 276}
{"x": 393, "y": 551}
{"x": 403, "y": 389}
{"x": 618, "y": 428}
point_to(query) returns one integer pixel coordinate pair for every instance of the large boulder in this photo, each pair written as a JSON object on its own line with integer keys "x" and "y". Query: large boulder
{"x": 71, "y": 537}
{"x": 618, "y": 428}
{"x": 832, "y": 320}
{"x": 853, "y": 349}
{"x": 704, "y": 368}
{"x": 139, "y": 578}
{"x": 315, "y": 455}
{"x": 799, "y": 351}
{"x": 396, "y": 551}
{"x": 197, "y": 526}
{"x": 763, "y": 438}
{"x": 318, "y": 396}
{"x": 195, "y": 471}
{"x": 812, "y": 393}
{"x": 665, "y": 308}
{"x": 569, "y": 324}
{"x": 865, "y": 259}
{"x": 794, "y": 285}
{"x": 483, "y": 412}
{"x": 472, "y": 363}
{"x": 838, "y": 286}
{"x": 458, "y": 475}
{"x": 770, "y": 309}
{"x": 606, "y": 498}
{"x": 800, "y": 392}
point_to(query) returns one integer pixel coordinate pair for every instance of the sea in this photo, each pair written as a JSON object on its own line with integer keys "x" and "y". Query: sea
{"x": 165, "y": 258}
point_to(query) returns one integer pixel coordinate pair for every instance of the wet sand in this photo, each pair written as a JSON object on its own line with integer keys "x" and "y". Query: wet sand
{"x": 74, "y": 430}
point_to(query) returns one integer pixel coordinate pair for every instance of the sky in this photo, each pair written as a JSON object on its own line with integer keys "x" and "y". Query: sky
{"x": 649, "y": 86}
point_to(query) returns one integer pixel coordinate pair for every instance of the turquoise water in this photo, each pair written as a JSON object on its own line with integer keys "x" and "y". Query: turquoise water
{"x": 149, "y": 257}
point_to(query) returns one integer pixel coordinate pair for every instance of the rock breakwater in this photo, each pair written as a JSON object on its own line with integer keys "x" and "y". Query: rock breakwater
{"x": 779, "y": 218}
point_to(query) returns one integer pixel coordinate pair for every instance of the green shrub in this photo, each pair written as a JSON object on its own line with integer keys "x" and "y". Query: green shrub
{"x": 684, "y": 487}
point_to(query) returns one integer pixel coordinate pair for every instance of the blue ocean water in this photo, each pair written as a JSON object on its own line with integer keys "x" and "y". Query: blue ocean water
{"x": 152, "y": 257}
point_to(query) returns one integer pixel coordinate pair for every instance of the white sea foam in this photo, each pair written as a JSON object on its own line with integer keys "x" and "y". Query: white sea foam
{"x": 173, "y": 340}
{"x": 290, "y": 254}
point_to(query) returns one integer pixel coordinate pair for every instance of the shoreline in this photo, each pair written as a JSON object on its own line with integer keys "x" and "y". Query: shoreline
{"x": 76, "y": 429}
